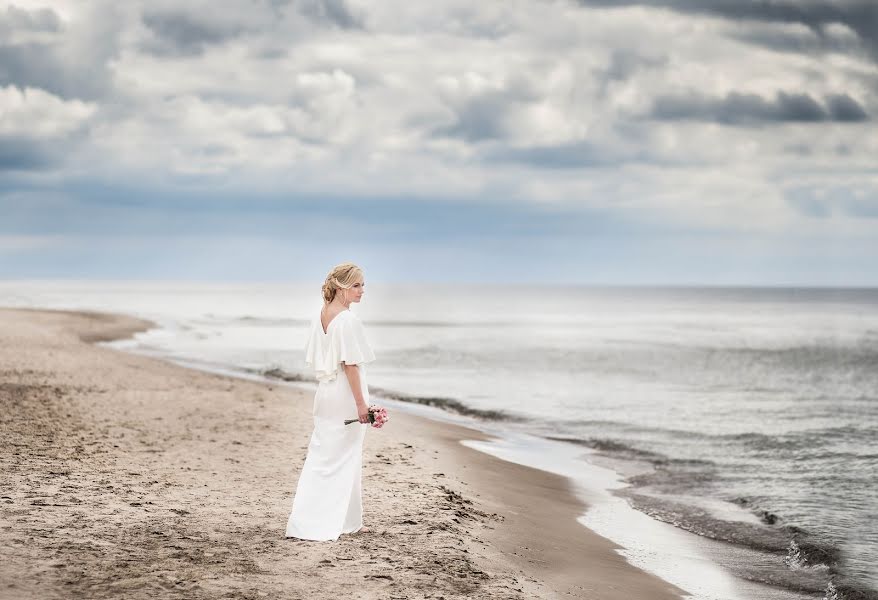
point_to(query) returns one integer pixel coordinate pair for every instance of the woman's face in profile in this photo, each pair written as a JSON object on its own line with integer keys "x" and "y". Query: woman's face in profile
{"x": 356, "y": 291}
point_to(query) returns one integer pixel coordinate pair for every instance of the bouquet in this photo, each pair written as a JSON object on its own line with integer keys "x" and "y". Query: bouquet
{"x": 377, "y": 416}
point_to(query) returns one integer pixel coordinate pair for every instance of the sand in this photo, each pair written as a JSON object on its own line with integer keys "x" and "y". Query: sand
{"x": 124, "y": 476}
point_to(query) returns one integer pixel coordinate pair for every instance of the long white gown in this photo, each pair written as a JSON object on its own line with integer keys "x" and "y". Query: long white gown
{"x": 328, "y": 499}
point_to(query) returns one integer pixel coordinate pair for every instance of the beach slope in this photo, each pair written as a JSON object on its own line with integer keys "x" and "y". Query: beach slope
{"x": 125, "y": 476}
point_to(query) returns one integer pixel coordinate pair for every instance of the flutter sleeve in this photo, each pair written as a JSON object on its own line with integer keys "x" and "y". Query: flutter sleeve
{"x": 311, "y": 346}
{"x": 350, "y": 343}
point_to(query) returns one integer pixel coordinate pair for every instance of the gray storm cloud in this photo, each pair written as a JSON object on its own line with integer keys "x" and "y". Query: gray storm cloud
{"x": 744, "y": 109}
{"x": 859, "y": 15}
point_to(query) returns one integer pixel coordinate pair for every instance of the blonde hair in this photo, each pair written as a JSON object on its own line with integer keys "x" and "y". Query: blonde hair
{"x": 341, "y": 276}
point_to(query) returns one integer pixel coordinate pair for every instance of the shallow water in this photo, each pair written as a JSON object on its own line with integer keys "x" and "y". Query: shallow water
{"x": 756, "y": 410}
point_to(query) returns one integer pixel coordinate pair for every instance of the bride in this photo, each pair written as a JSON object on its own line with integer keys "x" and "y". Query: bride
{"x": 328, "y": 498}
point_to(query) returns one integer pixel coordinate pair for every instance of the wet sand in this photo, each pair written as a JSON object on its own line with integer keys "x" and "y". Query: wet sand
{"x": 125, "y": 476}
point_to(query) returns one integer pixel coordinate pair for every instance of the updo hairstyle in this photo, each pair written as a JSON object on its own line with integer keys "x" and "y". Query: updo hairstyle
{"x": 341, "y": 276}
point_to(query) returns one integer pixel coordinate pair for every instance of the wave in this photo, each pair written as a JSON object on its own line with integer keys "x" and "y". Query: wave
{"x": 846, "y": 591}
{"x": 802, "y": 561}
{"x": 809, "y": 439}
{"x": 852, "y": 354}
{"x": 612, "y": 446}
{"x": 449, "y": 404}
{"x": 278, "y": 373}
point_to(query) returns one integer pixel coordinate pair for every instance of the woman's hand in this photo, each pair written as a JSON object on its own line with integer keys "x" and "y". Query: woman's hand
{"x": 363, "y": 412}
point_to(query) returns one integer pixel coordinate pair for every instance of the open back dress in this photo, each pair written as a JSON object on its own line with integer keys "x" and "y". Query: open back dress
{"x": 328, "y": 499}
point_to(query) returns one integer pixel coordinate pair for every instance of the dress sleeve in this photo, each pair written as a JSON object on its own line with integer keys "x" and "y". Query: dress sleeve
{"x": 312, "y": 350}
{"x": 350, "y": 342}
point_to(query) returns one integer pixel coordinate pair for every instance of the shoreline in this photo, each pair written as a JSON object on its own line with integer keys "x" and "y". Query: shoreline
{"x": 136, "y": 440}
{"x": 696, "y": 564}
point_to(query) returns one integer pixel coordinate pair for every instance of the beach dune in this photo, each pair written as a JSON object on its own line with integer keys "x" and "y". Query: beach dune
{"x": 126, "y": 476}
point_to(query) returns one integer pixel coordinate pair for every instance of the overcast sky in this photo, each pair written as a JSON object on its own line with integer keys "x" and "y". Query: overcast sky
{"x": 605, "y": 141}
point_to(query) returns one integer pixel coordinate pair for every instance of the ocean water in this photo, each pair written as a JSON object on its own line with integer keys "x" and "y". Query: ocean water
{"x": 744, "y": 415}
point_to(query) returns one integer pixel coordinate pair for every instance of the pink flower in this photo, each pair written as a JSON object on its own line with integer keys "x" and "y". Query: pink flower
{"x": 377, "y": 416}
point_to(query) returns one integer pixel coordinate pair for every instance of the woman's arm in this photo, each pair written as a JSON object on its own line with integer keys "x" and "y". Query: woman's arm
{"x": 353, "y": 374}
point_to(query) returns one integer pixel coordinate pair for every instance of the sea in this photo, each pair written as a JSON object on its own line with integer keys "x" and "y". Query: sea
{"x": 729, "y": 426}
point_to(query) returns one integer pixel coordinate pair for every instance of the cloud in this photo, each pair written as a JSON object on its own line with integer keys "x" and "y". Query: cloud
{"x": 844, "y": 108}
{"x": 22, "y": 154}
{"x": 580, "y": 155}
{"x": 37, "y": 128}
{"x": 178, "y": 33}
{"x": 824, "y": 201}
{"x": 659, "y": 112}
{"x": 860, "y": 16}
{"x": 797, "y": 38}
{"x": 749, "y": 109}
{"x": 15, "y": 21}
{"x": 607, "y": 155}
{"x": 197, "y": 26}
{"x": 518, "y": 108}
{"x": 480, "y": 107}
{"x": 336, "y": 12}
{"x": 67, "y": 59}
{"x": 35, "y": 113}
{"x": 624, "y": 63}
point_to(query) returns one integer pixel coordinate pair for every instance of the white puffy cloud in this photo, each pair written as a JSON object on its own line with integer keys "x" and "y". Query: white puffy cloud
{"x": 32, "y": 112}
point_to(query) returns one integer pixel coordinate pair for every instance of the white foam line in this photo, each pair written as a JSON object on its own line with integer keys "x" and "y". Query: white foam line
{"x": 650, "y": 545}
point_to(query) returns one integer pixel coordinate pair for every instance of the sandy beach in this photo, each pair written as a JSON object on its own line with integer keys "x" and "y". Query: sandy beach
{"x": 125, "y": 476}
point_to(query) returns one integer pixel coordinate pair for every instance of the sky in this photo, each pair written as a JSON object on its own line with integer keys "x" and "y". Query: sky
{"x": 678, "y": 142}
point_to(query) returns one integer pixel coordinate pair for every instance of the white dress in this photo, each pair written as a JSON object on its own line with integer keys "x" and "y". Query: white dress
{"x": 328, "y": 499}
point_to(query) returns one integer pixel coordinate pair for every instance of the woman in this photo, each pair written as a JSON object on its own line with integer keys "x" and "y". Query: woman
{"x": 328, "y": 500}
